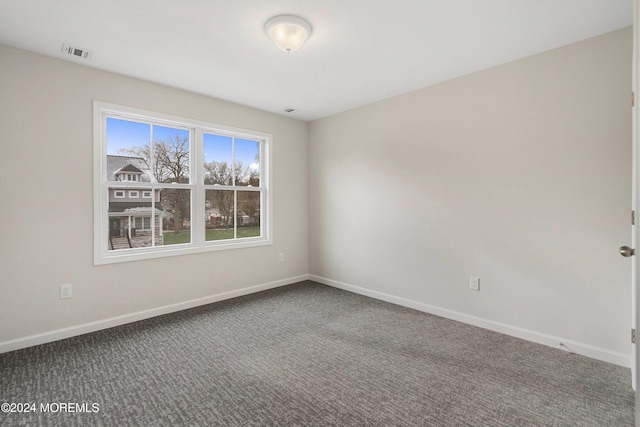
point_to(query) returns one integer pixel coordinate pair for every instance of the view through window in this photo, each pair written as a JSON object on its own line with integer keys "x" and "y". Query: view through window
{"x": 177, "y": 185}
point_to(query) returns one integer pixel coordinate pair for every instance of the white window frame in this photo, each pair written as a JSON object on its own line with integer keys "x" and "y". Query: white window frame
{"x": 128, "y": 177}
{"x": 134, "y": 194}
{"x": 146, "y": 194}
{"x": 116, "y": 192}
{"x": 142, "y": 221}
{"x": 102, "y": 255}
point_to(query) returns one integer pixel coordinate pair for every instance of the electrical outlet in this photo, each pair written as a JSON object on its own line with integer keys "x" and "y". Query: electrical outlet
{"x": 281, "y": 256}
{"x": 65, "y": 291}
{"x": 474, "y": 283}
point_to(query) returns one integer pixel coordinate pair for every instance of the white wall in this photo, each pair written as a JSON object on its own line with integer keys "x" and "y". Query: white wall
{"x": 520, "y": 174}
{"x": 47, "y": 203}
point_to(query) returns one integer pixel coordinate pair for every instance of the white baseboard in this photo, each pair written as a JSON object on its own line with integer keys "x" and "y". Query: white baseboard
{"x": 85, "y": 328}
{"x": 540, "y": 338}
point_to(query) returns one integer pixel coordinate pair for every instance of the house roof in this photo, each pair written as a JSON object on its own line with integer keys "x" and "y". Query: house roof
{"x": 134, "y": 164}
{"x": 129, "y": 168}
{"x": 133, "y": 208}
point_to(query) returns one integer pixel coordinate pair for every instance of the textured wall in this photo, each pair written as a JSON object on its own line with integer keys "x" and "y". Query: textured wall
{"x": 46, "y": 191}
{"x": 519, "y": 174}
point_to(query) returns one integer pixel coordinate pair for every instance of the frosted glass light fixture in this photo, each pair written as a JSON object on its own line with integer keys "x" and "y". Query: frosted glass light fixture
{"x": 288, "y": 32}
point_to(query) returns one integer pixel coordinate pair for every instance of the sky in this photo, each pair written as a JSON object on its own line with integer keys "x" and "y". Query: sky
{"x": 124, "y": 134}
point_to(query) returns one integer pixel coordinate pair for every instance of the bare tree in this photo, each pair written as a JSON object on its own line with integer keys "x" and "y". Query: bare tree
{"x": 172, "y": 165}
{"x": 223, "y": 201}
{"x": 249, "y": 203}
{"x": 172, "y": 159}
{"x": 169, "y": 163}
{"x": 222, "y": 173}
{"x": 254, "y": 178}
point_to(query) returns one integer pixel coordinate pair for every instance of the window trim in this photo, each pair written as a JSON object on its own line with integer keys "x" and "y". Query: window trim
{"x": 198, "y": 245}
{"x": 122, "y": 192}
{"x": 134, "y": 194}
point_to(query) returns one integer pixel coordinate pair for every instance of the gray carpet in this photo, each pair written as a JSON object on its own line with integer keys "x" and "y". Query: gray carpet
{"x": 308, "y": 354}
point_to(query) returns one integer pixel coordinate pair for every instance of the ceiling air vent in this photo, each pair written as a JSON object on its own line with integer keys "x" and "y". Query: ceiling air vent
{"x": 76, "y": 51}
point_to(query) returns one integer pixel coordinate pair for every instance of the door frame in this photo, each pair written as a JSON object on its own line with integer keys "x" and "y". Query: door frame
{"x": 635, "y": 198}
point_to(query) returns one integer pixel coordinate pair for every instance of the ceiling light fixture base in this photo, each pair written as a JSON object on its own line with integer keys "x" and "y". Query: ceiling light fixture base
{"x": 288, "y": 32}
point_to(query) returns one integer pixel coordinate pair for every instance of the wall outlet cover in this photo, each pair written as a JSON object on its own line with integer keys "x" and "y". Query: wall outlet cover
{"x": 66, "y": 291}
{"x": 474, "y": 283}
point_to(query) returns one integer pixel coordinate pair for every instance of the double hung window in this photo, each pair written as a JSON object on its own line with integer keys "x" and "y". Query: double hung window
{"x": 168, "y": 186}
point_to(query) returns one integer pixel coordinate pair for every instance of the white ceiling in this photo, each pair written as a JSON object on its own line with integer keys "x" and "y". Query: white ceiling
{"x": 360, "y": 51}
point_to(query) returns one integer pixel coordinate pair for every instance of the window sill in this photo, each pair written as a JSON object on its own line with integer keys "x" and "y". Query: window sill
{"x": 128, "y": 255}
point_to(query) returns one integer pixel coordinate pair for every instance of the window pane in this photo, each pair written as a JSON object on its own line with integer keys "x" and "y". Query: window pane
{"x": 218, "y": 152}
{"x": 128, "y": 151}
{"x": 171, "y": 154}
{"x": 219, "y": 214}
{"x": 125, "y": 137}
{"x": 176, "y": 207}
{"x": 142, "y": 223}
{"x": 130, "y": 221}
{"x": 146, "y": 175}
{"x": 248, "y": 218}
{"x": 247, "y": 162}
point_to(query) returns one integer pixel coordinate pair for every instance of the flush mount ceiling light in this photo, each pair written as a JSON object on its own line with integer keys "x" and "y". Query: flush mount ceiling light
{"x": 288, "y": 32}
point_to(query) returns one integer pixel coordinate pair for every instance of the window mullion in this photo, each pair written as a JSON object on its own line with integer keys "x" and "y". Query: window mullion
{"x": 233, "y": 162}
{"x": 199, "y": 193}
{"x": 186, "y": 201}
{"x": 153, "y": 219}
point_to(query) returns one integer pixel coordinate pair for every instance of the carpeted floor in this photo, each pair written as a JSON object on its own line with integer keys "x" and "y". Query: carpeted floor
{"x": 311, "y": 355}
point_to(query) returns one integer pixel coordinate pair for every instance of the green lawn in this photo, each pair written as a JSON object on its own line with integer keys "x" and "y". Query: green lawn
{"x": 170, "y": 238}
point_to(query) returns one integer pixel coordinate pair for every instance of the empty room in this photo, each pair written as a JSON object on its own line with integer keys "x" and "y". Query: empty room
{"x": 349, "y": 213}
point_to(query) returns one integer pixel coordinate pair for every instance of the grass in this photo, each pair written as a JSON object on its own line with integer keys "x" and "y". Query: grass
{"x": 171, "y": 238}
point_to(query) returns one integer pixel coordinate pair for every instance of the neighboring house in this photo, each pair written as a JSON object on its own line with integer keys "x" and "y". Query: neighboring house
{"x": 131, "y": 209}
{"x": 214, "y": 219}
